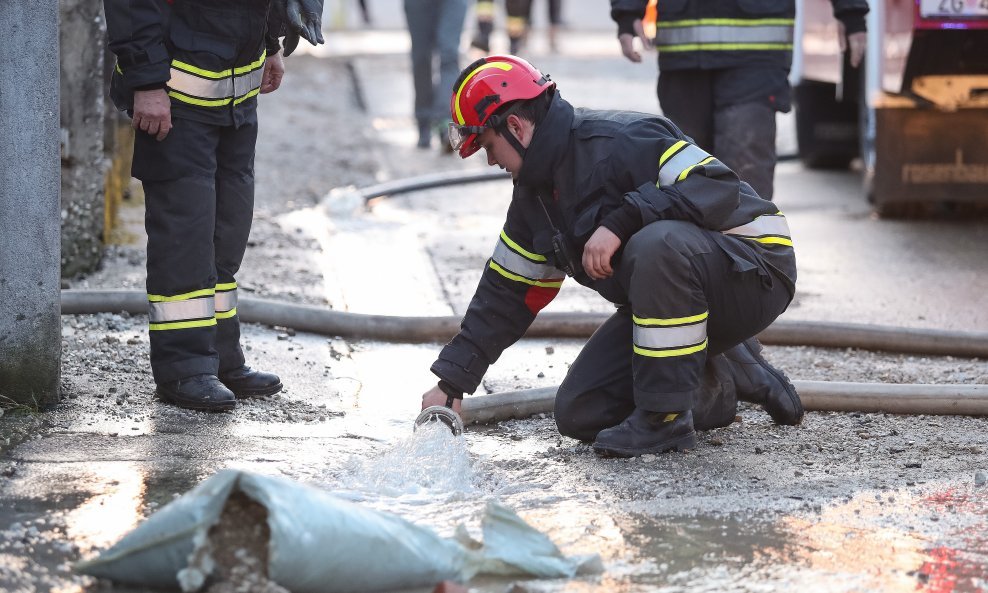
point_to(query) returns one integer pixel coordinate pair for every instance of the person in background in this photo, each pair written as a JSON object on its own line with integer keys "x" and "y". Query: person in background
{"x": 519, "y": 18}
{"x": 435, "y": 27}
{"x": 696, "y": 263}
{"x": 189, "y": 72}
{"x": 724, "y": 70}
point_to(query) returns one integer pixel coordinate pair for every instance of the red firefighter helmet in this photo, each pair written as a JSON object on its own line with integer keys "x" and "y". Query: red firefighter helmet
{"x": 482, "y": 88}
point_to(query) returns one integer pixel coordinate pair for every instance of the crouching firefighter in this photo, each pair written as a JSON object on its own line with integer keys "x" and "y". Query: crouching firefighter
{"x": 696, "y": 263}
{"x": 188, "y": 72}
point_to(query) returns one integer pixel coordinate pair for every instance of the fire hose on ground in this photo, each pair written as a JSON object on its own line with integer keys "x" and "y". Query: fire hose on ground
{"x": 816, "y": 395}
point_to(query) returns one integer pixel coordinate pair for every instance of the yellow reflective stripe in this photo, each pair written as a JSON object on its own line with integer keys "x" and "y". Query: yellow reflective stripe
{"x": 520, "y": 249}
{"x": 484, "y": 8}
{"x": 185, "y": 66}
{"x": 689, "y": 156}
{"x": 725, "y": 22}
{"x": 770, "y": 240}
{"x": 247, "y": 96}
{"x": 517, "y": 278}
{"x": 210, "y": 102}
{"x": 200, "y": 308}
{"x": 673, "y": 321}
{"x": 516, "y": 25}
{"x": 225, "y": 301}
{"x": 456, "y": 102}
{"x": 670, "y": 353}
{"x": 226, "y": 286}
{"x": 157, "y": 298}
{"x": 666, "y": 337}
{"x": 687, "y": 170}
{"x": 182, "y": 324}
{"x": 196, "y": 101}
{"x": 253, "y": 65}
{"x": 226, "y": 314}
{"x": 517, "y": 264}
{"x": 728, "y": 47}
{"x": 672, "y": 150}
{"x": 117, "y": 67}
{"x": 769, "y": 229}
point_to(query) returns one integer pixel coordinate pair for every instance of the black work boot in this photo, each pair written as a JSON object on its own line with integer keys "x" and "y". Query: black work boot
{"x": 244, "y": 381}
{"x": 198, "y": 392}
{"x": 760, "y": 383}
{"x": 647, "y": 432}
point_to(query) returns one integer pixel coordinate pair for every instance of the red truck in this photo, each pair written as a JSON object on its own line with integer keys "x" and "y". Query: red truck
{"x": 915, "y": 116}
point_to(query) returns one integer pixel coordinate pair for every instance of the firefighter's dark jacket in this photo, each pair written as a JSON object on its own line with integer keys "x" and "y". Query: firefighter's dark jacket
{"x": 587, "y": 168}
{"x": 218, "y": 42}
{"x": 709, "y": 38}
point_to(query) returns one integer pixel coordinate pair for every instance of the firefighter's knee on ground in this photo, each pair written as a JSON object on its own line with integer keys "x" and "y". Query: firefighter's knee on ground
{"x": 569, "y": 421}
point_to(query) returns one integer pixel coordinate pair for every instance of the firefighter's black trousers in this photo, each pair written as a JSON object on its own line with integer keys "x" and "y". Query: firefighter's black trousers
{"x": 199, "y": 198}
{"x": 730, "y": 113}
{"x": 669, "y": 269}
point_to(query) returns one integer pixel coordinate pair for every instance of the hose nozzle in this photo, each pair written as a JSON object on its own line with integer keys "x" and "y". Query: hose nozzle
{"x": 441, "y": 414}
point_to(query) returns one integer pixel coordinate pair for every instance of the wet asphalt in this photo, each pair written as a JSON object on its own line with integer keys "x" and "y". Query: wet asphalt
{"x": 74, "y": 480}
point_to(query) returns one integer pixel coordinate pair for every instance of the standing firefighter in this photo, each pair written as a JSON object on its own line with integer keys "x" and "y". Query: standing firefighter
{"x": 624, "y": 203}
{"x": 724, "y": 71}
{"x": 188, "y": 72}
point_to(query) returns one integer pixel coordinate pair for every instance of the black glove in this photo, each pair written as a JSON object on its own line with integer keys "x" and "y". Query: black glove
{"x": 298, "y": 18}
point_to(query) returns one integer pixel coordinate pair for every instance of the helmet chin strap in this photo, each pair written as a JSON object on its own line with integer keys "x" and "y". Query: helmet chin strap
{"x": 514, "y": 142}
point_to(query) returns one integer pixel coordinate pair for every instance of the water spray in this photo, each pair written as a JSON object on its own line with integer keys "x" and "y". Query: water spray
{"x": 442, "y": 414}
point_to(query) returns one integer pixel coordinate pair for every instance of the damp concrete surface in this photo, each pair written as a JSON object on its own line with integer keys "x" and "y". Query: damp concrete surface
{"x": 845, "y": 502}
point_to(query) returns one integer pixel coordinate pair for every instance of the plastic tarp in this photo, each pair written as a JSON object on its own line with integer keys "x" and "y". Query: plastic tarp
{"x": 322, "y": 544}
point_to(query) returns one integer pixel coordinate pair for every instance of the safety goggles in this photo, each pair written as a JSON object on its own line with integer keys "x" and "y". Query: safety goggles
{"x": 466, "y": 136}
{"x": 461, "y": 135}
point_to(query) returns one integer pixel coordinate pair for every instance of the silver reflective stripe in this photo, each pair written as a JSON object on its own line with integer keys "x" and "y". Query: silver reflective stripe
{"x": 725, "y": 34}
{"x": 207, "y": 88}
{"x": 515, "y": 263}
{"x": 198, "y": 308}
{"x": 670, "y": 337}
{"x": 226, "y": 300}
{"x": 683, "y": 160}
{"x": 768, "y": 224}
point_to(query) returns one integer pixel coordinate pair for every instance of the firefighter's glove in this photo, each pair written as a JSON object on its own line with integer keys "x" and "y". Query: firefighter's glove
{"x": 301, "y": 19}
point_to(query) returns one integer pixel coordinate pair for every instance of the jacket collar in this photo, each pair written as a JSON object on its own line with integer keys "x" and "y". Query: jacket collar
{"x": 548, "y": 146}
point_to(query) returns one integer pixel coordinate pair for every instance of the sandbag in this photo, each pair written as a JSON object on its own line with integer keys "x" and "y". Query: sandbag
{"x": 319, "y": 543}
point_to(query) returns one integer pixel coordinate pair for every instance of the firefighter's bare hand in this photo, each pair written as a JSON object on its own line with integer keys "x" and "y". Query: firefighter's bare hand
{"x": 628, "y": 42}
{"x": 274, "y": 71}
{"x": 153, "y": 113}
{"x": 855, "y": 43}
{"x": 436, "y": 397}
{"x": 598, "y": 251}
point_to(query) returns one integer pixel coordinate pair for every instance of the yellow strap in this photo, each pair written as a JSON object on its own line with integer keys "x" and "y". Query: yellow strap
{"x": 226, "y": 286}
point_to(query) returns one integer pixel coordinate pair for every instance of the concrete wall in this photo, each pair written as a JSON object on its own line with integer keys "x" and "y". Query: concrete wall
{"x": 30, "y": 324}
{"x": 82, "y": 37}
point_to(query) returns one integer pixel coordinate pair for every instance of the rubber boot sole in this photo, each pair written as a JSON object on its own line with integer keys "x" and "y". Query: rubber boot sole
{"x": 681, "y": 443}
{"x": 786, "y": 384}
{"x": 198, "y": 406}
{"x": 259, "y": 392}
